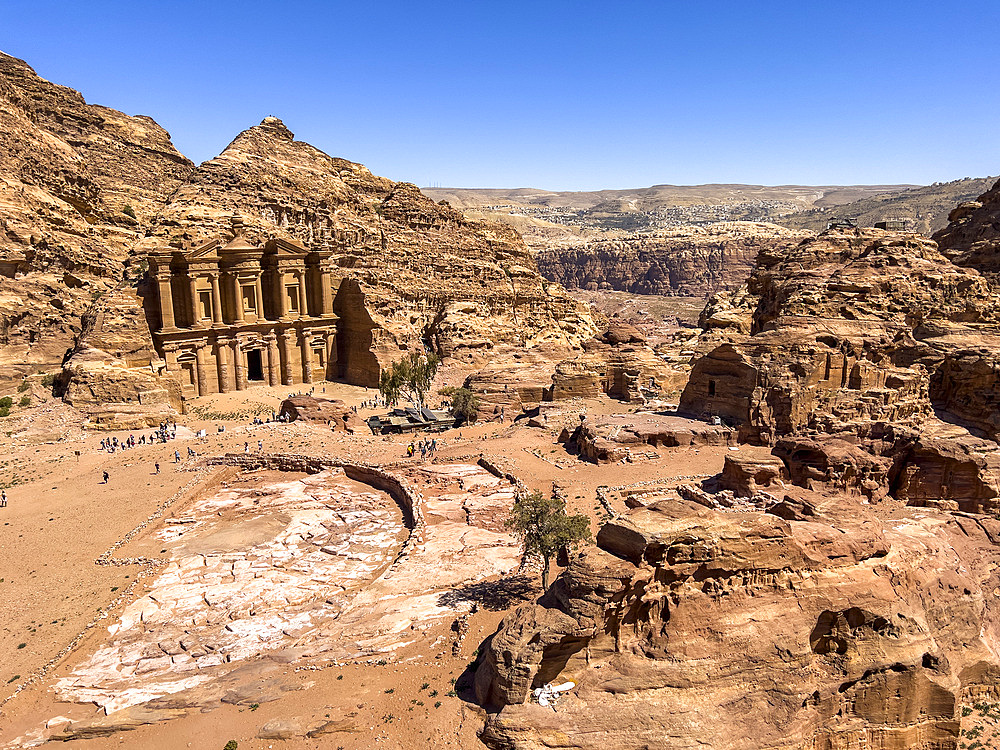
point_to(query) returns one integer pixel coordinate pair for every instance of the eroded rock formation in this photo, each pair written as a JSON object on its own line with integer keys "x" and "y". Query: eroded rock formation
{"x": 79, "y": 185}
{"x": 692, "y": 628}
{"x": 689, "y": 261}
{"x": 87, "y": 192}
{"x": 840, "y": 594}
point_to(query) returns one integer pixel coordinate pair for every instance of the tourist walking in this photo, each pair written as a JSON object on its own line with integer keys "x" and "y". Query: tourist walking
{"x": 157, "y": 465}
{"x": 3, "y": 499}
{"x": 106, "y": 477}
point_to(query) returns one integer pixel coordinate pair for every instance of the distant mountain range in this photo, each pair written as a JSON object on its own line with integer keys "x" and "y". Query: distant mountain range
{"x": 547, "y": 218}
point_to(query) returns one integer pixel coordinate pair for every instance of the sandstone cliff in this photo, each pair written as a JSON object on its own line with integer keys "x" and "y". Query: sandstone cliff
{"x": 687, "y": 261}
{"x": 86, "y": 192}
{"x": 845, "y": 597}
{"x": 811, "y": 624}
{"x": 79, "y": 184}
{"x": 972, "y": 237}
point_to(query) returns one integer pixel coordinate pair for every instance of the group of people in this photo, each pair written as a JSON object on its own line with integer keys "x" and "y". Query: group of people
{"x": 374, "y": 403}
{"x": 426, "y": 448}
{"x": 166, "y": 431}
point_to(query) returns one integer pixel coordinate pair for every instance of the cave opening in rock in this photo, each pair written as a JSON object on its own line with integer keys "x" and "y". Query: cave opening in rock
{"x": 255, "y": 365}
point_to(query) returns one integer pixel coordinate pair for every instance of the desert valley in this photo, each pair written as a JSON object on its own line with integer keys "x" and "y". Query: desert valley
{"x": 268, "y": 423}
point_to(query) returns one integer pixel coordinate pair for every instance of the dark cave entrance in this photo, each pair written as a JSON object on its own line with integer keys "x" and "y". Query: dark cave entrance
{"x": 255, "y": 365}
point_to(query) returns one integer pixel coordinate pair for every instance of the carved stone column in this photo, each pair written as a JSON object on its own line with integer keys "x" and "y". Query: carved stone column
{"x": 216, "y": 300}
{"x": 259, "y": 293}
{"x": 166, "y": 303}
{"x": 331, "y": 355}
{"x": 286, "y": 358}
{"x": 307, "y": 365}
{"x": 237, "y": 298}
{"x": 300, "y": 275}
{"x": 195, "y": 312}
{"x": 273, "y": 360}
{"x": 326, "y": 293}
{"x": 240, "y": 365}
{"x": 282, "y": 296}
{"x": 201, "y": 367}
{"x": 222, "y": 354}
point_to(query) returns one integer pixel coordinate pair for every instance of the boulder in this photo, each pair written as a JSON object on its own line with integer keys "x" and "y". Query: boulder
{"x": 332, "y": 412}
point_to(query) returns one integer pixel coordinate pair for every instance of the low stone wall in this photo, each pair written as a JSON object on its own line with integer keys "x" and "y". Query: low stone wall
{"x": 397, "y": 488}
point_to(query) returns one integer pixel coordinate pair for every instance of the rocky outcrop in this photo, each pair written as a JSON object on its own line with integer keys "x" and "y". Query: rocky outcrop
{"x": 688, "y": 261}
{"x": 617, "y": 363}
{"x": 619, "y": 437}
{"x": 690, "y": 627}
{"x": 423, "y": 273}
{"x": 79, "y": 185}
{"x": 335, "y": 413}
{"x": 87, "y": 192}
{"x": 972, "y": 237}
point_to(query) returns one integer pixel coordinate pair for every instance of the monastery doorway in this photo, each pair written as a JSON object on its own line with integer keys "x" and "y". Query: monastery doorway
{"x": 255, "y": 365}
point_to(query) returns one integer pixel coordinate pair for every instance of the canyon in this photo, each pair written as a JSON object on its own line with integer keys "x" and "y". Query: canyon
{"x": 793, "y": 501}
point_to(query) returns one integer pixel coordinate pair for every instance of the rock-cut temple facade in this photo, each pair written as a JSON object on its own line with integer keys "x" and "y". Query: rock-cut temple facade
{"x": 231, "y": 315}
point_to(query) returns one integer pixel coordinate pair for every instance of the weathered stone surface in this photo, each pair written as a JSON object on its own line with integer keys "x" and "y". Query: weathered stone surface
{"x": 745, "y": 473}
{"x": 687, "y": 260}
{"x": 617, "y": 437}
{"x": 972, "y": 237}
{"x": 88, "y": 192}
{"x": 738, "y": 630}
{"x": 335, "y": 413}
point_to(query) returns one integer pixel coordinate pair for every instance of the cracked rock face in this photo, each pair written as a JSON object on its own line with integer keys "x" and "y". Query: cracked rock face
{"x": 692, "y": 628}
{"x": 78, "y": 186}
{"x": 270, "y": 571}
{"x": 688, "y": 261}
{"x": 251, "y": 570}
{"x": 86, "y": 192}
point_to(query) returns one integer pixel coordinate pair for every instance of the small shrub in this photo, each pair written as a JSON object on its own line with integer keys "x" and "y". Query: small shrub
{"x": 6, "y": 402}
{"x": 4, "y": 411}
{"x": 389, "y": 691}
{"x": 21, "y": 645}
{"x": 48, "y": 379}
{"x": 437, "y": 704}
{"x": 465, "y": 405}
{"x": 231, "y": 745}
{"x": 425, "y": 686}
{"x": 254, "y": 706}
{"x": 129, "y": 211}
{"x": 15, "y": 678}
{"x": 25, "y": 401}
{"x": 23, "y": 386}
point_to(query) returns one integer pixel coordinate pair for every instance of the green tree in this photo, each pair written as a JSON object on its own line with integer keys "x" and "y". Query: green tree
{"x": 409, "y": 378}
{"x": 465, "y": 405}
{"x": 544, "y": 528}
{"x": 6, "y": 402}
{"x": 25, "y": 401}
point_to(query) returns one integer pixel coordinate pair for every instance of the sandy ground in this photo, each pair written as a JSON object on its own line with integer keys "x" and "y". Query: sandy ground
{"x": 61, "y": 517}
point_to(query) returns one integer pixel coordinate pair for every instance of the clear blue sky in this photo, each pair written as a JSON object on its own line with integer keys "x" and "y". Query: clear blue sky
{"x": 561, "y": 95}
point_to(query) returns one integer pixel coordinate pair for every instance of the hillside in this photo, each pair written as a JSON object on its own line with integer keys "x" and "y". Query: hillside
{"x": 926, "y": 207}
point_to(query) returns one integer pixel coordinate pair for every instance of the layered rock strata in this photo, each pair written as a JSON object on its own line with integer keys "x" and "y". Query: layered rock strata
{"x": 88, "y": 192}
{"x": 811, "y": 624}
{"x": 687, "y": 261}
{"x": 79, "y": 185}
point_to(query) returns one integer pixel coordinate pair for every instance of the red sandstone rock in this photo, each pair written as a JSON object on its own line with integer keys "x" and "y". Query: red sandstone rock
{"x": 331, "y": 412}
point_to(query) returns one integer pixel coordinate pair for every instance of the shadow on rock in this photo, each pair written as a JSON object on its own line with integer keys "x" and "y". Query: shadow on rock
{"x": 492, "y": 595}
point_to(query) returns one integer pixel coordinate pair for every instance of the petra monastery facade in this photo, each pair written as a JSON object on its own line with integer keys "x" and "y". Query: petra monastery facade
{"x": 229, "y": 315}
